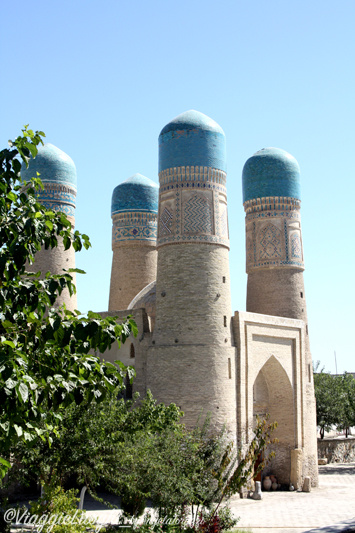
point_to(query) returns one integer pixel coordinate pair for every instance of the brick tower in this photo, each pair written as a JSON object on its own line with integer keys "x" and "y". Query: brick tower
{"x": 58, "y": 175}
{"x": 275, "y": 265}
{"x": 134, "y": 212}
{"x": 191, "y": 360}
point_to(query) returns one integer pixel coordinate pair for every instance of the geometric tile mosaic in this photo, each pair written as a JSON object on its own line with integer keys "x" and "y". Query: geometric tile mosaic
{"x": 128, "y": 233}
{"x": 67, "y": 209}
{"x": 134, "y": 226}
{"x": 58, "y": 197}
{"x": 270, "y": 242}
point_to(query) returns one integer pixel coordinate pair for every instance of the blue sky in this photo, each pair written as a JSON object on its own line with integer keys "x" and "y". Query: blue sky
{"x": 103, "y": 78}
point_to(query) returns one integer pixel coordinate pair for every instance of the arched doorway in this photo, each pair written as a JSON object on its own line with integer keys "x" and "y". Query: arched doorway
{"x": 273, "y": 395}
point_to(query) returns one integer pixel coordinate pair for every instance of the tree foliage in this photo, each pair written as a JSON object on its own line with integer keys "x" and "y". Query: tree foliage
{"x": 335, "y": 400}
{"x": 141, "y": 450}
{"x": 46, "y": 360}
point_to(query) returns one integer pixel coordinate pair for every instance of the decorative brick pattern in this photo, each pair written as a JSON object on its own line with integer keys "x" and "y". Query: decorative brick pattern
{"x": 271, "y": 203}
{"x": 271, "y": 246}
{"x": 196, "y": 200}
{"x": 249, "y": 250}
{"x": 270, "y": 242}
{"x": 223, "y": 220}
{"x": 180, "y": 175}
{"x": 166, "y": 219}
{"x": 296, "y": 246}
{"x": 134, "y": 227}
{"x": 197, "y": 215}
{"x": 58, "y": 197}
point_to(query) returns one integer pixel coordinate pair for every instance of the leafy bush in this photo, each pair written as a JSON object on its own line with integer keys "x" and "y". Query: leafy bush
{"x": 142, "y": 451}
{"x": 57, "y": 512}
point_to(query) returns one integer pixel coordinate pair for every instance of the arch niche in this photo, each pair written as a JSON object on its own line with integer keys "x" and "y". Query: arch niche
{"x": 273, "y": 395}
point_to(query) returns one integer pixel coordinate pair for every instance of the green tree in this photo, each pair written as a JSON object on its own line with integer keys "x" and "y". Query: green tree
{"x": 46, "y": 361}
{"x": 347, "y": 414}
{"x": 328, "y": 392}
{"x": 140, "y": 450}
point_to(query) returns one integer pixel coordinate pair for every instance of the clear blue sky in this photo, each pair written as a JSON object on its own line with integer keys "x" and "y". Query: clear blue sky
{"x": 102, "y": 78}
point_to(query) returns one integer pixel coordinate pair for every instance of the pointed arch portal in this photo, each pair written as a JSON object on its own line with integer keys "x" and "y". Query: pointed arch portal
{"x": 273, "y": 395}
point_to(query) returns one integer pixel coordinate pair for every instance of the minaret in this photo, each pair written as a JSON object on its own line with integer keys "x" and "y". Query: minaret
{"x": 58, "y": 175}
{"x": 192, "y": 360}
{"x": 275, "y": 262}
{"x": 134, "y": 210}
{"x": 274, "y": 252}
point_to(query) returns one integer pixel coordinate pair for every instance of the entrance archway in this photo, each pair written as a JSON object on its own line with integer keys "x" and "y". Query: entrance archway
{"x": 273, "y": 395}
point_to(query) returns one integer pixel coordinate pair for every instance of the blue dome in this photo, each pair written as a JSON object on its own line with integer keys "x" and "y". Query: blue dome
{"x": 137, "y": 193}
{"x": 271, "y": 172}
{"x": 53, "y": 166}
{"x": 192, "y": 139}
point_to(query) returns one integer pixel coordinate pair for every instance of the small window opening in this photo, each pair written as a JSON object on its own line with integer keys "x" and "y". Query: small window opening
{"x": 132, "y": 353}
{"x": 229, "y": 368}
{"x": 128, "y": 393}
{"x": 225, "y": 321}
{"x": 224, "y": 279}
{"x": 301, "y": 294}
{"x": 309, "y": 374}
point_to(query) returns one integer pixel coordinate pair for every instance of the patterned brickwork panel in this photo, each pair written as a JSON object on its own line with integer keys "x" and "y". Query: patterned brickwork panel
{"x": 166, "y": 221}
{"x": 270, "y": 242}
{"x": 249, "y": 251}
{"x": 198, "y": 215}
{"x": 69, "y": 210}
{"x": 296, "y": 246}
{"x": 193, "y": 206}
{"x": 137, "y": 227}
{"x": 133, "y": 233}
{"x": 58, "y": 198}
{"x": 203, "y": 175}
{"x": 270, "y": 227}
{"x": 276, "y": 203}
{"x": 223, "y": 220}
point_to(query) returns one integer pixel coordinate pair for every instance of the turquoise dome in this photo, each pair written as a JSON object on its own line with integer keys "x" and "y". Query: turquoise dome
{"x": 192, "y": 139}
{"x": 271, "y": 172}
{"x": 53, "y": 166}
{"x": 137, "y": 193}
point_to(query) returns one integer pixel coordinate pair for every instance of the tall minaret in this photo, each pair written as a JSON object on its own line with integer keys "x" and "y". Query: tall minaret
{"x": 192, "y": 360}
{"x": 58, "y": 175}
{"x": 274, "y": 260}
{"x": 134, "y": 210}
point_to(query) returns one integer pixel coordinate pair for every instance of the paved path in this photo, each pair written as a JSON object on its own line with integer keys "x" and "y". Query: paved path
{"x": 331, "y": 507}
{"x": 327, "y": 509}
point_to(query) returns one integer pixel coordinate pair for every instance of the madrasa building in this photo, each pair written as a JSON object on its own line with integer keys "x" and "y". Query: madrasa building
{"x": 170, "y": 270}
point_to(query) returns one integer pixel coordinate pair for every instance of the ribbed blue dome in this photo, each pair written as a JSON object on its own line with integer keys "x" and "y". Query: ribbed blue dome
{"x": 137, "y": 193}
{"x": 53, "y": 165}
{"x": 192, "y": 139}
{"x": 271, "y": 172}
